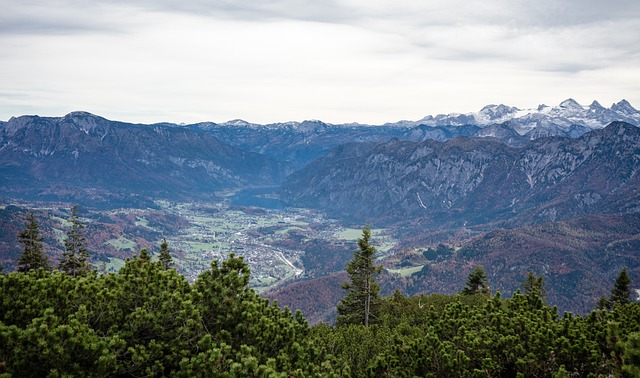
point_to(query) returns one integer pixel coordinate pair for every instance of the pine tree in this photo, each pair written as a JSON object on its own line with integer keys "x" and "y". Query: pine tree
{"x": 621, "y": 292}
{"x": 534, "y": 286}
{"x": 33, "y": 256}
{"x": 165, "y": 256}
{"x": 75, "y": 258}
{"x": 362, "y": 300}
{"x": 603, "y": 303}
{"x": 476, "y": 283}
{"x": 144, "y": 257}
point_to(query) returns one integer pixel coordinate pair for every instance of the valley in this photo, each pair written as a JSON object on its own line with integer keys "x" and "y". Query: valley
{"x": 552, "y": 191}
{"x": 197, "y": 234}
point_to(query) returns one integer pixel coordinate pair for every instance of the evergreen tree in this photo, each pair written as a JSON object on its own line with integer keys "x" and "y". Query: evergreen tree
{"x": 477, "y": 283}
{"x": 631, "y": 367}
{"x": 534, "y": 291}
{"x": 165, "y": 256}
{"x": 603, "y": 303}
{"x": 621, "y": 292}
{"x": 144, "y": 256}
{"x": 534, "y": 286}
{"x": 75, "y": 258}
{"x": 32, "y": 256}
{"x": 362, "y": 299}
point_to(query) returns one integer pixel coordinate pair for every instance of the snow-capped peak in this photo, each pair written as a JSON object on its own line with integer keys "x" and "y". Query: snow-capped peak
{"x": 237, "y": 122}
{"x": 624, "y": 107}
{"x": 569, "y": 113}
{"x": 570, "y": 104}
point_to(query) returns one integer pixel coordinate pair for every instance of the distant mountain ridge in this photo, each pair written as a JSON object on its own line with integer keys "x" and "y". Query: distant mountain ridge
{"x": 89, "y": 159}
{"x": 476, "y": 181}
{"x": 302, "y": 142}
{"x": 567, "y": 114}
{"x": 86, "y": 155}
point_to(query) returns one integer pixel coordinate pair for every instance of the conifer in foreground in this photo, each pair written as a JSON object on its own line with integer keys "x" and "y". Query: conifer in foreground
{"x": 362, "y": 300}
{"x": 165, "y": 256}
{"x": 32, "y": 257}
{"x": 75, "y": 258}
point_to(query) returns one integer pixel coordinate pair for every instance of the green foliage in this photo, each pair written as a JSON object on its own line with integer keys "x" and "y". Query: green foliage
{"x": 476, "y": 283}
{"x": 534, "y": 290}
{"x": 621, "y": 292}
{"x": 75, "y": 258}
{"x": 362, "y": 299}
{"x": 166, "y": 261}
{"x": 631, "y": 367}
{"x": 148, "y": 321}
{"x": 32, "y": 256}
{"x": 534, "y": 285}
{"x": 482, "y": 336}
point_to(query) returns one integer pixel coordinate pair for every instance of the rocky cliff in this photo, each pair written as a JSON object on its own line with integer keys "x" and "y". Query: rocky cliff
{"x": 476, "y": 181}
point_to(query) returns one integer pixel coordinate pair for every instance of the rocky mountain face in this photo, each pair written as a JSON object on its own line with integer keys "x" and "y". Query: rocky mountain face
{"x": 564, "y": 116}
{"x": 467, "y": 181}
{"x": 92, "y": 160}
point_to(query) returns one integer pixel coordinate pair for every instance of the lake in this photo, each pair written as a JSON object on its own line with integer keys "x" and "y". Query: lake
{"x": 264, "y": 197}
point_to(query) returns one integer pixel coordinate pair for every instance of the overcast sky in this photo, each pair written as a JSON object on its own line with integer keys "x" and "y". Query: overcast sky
{"x": 367, "y": 61}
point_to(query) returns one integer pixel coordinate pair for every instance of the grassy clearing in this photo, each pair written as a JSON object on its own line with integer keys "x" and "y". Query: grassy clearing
{"x": 122, "y": 244}
{"x": 384, "y": 247}
{"x": 356, "y": 233}
{"x": 198, "y": 247}
{"x": 143, "y": 222}
{"x": 406, "y": 272}
{"x": 114, "y": 264}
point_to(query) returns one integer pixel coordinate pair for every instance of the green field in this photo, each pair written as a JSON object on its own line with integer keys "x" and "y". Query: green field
{"x": 122, "y": 243}
{"x": 406, "y": 272}
{"x": 356, "y": 233}
{"x": 143, "y": 222}
{"x": 114, "y": 264}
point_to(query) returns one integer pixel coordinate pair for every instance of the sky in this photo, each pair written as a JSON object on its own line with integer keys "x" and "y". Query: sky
{"x": 339, "y": 61}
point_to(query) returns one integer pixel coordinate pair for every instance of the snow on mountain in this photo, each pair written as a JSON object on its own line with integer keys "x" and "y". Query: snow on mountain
{"x": 566, "y": 116}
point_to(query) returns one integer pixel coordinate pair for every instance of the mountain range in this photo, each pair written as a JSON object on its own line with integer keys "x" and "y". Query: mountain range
{"x": 516, "y": 189}
{"x": 567, "y": 114}
{"x": 301, "y": 142}
{"x": 455, "y": 165}
{"x": 471, "y": 181}
{"x": 94, "y": 161}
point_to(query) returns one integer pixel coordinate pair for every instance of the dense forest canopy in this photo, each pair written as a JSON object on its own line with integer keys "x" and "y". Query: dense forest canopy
{"x": 147, "y": 320}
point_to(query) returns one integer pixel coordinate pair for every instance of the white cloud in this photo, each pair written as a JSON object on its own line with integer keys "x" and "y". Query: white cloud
{"x": 339, "y": 61}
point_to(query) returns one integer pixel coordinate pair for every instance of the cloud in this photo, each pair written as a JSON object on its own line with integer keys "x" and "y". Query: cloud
{"x": 36, "y": 17}
{"x": 340, "y": 60}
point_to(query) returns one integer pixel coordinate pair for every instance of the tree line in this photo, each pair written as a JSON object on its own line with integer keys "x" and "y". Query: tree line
{"x": 147, "y": 320}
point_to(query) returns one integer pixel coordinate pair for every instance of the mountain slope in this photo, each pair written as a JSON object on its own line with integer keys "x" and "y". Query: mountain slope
{"x": 88, "y": 158}
{"x": 578, "y": 258}
{"x": 476, "y": 181}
